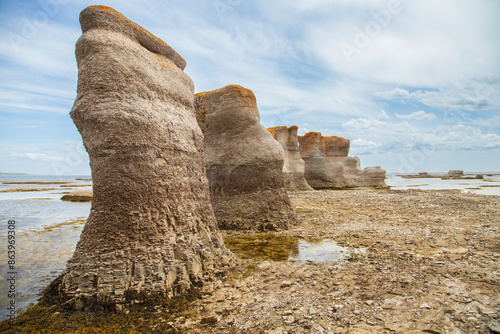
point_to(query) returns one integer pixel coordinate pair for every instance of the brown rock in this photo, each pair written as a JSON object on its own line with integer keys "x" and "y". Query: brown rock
{"x": 244, "y": 163}
{"x": 328, "y": 166}
{"x": 294, "y": 166}
{"x": 80, "y": 195}
{"x": 151, "y": 230}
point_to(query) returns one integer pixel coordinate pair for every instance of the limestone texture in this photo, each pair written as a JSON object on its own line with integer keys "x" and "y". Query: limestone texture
{"x": 328, "y": 166}
{"x": 151, "y": 231}
{"x": 244, "y": 163}
{"x": 294, "y": 165}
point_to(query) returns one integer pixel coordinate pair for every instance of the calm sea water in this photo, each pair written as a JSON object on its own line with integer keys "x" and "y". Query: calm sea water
{"x": 47, "y": 229}
{"x": 490, "y": 185}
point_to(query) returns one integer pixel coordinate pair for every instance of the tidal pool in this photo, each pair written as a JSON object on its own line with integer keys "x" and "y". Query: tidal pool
{"x": 321, "y": 251}
{"x": 270, "y": 246}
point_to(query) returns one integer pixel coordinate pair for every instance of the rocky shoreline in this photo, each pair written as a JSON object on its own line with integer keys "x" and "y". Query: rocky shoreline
{"x": 431, "y": 265}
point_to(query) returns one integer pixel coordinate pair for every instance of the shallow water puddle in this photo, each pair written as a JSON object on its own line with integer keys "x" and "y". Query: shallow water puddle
{"x": 270, "y": 246}
{"x": 321, "y": 251}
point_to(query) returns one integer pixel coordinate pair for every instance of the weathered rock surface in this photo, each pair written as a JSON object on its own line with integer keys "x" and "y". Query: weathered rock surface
{"x": 151, "y": 230}
{"x": 244, "y": 163}
{"x": 80, "y": 195}
{"x": 431, "y": 266}
{"x": 328, "y": 165}
{"x": 294, "y": 166}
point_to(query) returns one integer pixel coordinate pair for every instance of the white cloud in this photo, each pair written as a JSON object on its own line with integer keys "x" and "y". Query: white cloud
{"x": 69, "y": 158}
{"x": 396, "y": 93}
{"x": 360, "y": 124}
{"x": 363, "y": 146}
{"x": 439, "y": 54}
{"x": 42, "y": 157}
{"x": 418, "y": 116}
{"x": 476, "y": 97}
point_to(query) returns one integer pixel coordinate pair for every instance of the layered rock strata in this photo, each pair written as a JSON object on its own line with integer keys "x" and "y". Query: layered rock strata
{"x": 151, "y": 231}
{"x": 294, "y": 166}
{"x": 328, "y": 165}
{"x": 244, "y": 163}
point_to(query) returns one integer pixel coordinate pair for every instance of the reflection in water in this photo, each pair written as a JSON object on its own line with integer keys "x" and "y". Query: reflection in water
{"x": 265, "y": 246}
{"x": 321, "y": 251}
{"x": 270, "y": 246}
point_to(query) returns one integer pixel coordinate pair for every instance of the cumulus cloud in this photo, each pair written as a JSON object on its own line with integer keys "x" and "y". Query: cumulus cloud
{"x": 363, "y": 146}
{"x": 418, "y": 116}
{"x": 288, "y": 53}
{"x": 363, "y": 124}
{"x": 471, "y": 98}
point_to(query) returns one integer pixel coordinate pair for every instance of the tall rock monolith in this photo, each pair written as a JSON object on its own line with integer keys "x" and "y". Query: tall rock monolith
{"x": 151, "y": 231}
{"x": 244, "y": 163}
{"x": 328, "y": 165}
{"x": 294, "y": 166}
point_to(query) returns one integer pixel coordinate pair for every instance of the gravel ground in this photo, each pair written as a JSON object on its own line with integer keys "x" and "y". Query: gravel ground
{"x": 432, "y": 265}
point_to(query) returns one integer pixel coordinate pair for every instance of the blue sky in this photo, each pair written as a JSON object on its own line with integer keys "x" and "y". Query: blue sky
{"x": 415, "y": 85}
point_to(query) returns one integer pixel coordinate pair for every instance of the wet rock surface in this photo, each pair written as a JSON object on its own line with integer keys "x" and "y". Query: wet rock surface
{"x": 80, "y": 195}
{"x": 432, "y": 265}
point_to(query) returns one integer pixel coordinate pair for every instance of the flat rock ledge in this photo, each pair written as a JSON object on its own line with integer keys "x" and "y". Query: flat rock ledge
{"x": 80, "y": 195}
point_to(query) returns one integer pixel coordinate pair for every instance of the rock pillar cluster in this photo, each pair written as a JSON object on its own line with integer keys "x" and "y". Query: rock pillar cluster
{"x": 151, "y": 230}
{"x": 244, "y": 163}
{"x": 328, "y": 166}
{"x": 294, "y": 166}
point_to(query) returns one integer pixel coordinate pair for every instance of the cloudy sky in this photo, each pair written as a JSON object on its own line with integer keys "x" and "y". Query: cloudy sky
{"x": 415, "y": 85}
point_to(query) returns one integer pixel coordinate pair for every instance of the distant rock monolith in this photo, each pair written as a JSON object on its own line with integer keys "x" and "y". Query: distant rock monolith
{"x": 294, "y": 166}
{"x": 151, "y": 232}
{"x": 80, "y": 195}
{"x": 328, "y": 165}
{"x": 244, "y": 163}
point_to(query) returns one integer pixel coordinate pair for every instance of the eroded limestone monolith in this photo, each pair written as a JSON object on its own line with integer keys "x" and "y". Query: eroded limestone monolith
{"x": 294, "y": 166}
{"x": 328, "y": 165}
{"x": 151, "y": 231}
{"x": 244, "y": 163}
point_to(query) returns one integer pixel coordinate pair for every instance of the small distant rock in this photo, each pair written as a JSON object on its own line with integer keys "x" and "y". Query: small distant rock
{"x": 289, "y": 319}
{"x": 286, "y": 284}
{"x": 264, "y": 266}
{"x": 80, "y": 195}
{"x": 486, "y": 310}
{"x": 425, "y": 306}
